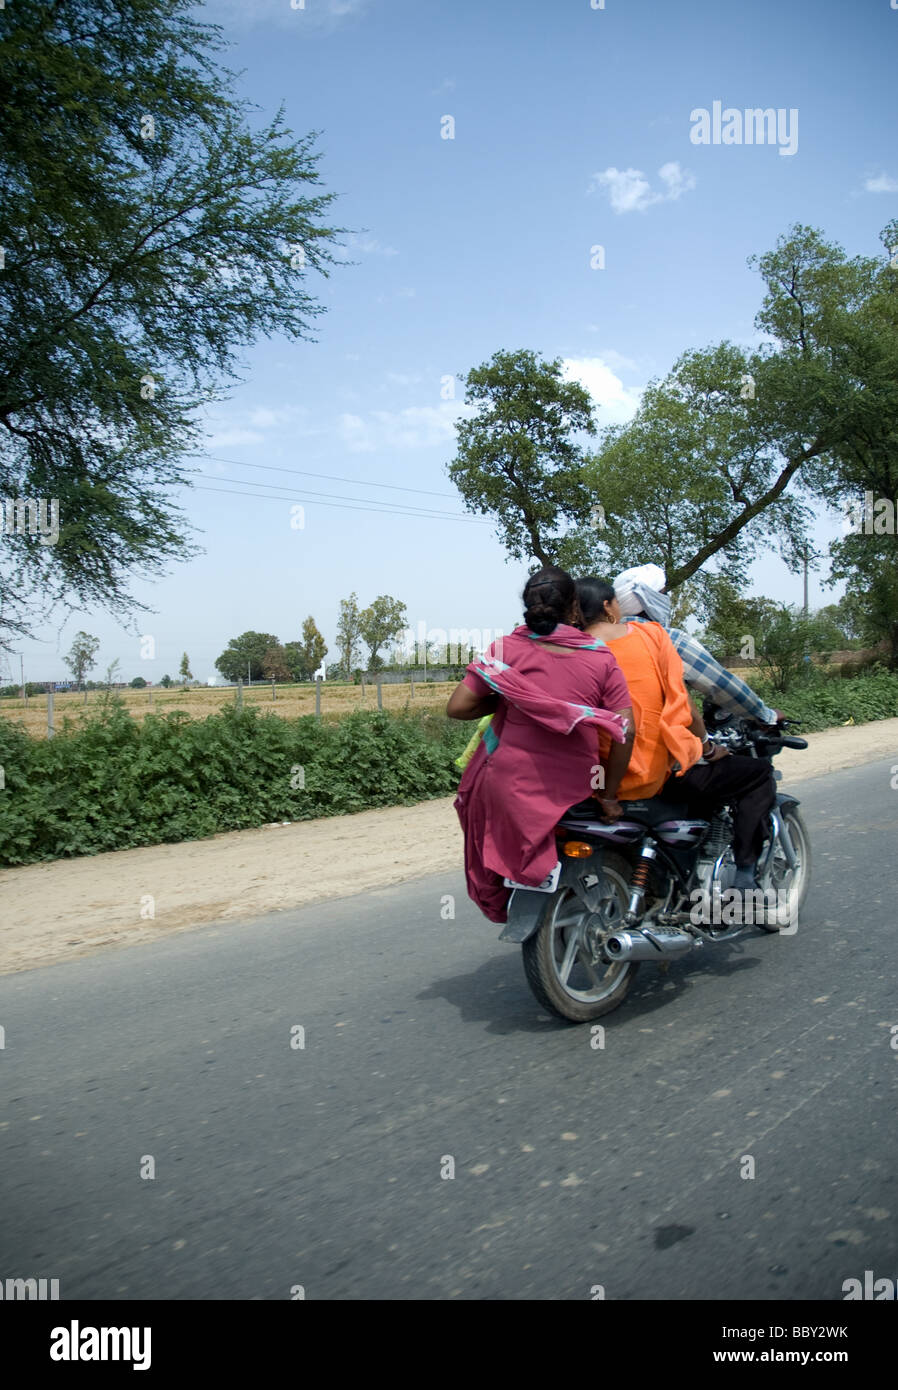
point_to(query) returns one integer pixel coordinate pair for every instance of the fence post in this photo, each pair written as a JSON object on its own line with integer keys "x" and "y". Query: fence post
{"x": 239, "y": 696}
{"x": 273, "y": 691}
{"x": 380, "y": 694}
{"x": 412, "y": 679}
{"x": 50, "y": 729}
{"x": 317, "y": 697}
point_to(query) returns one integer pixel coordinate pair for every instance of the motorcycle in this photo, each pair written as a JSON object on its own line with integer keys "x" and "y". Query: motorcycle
{"x": 654, "y": 886}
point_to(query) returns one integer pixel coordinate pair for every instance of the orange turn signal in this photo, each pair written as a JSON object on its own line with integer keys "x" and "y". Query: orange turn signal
{"x": 576, "y": 849}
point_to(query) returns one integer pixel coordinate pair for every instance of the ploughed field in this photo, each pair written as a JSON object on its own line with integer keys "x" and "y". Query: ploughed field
{"x": 200, "y": 702}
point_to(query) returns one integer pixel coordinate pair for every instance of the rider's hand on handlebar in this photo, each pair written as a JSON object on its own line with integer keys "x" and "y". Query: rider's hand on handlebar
{"x": 714, "y": 753}
{"x": 610, "y": 808}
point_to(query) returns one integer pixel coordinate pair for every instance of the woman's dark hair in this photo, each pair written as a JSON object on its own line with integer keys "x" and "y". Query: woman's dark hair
{"x": 593, "y": 594}
{"x": 550, "y": 598}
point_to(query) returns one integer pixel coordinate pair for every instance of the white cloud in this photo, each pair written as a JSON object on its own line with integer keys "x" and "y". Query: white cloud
{"x": 678, "y": 180}
{"x": 404, "y": 378}
{"x": 416, "y": 427}
{"x": 369, "y": 246}
{"x": 227, "y": 439}
{"x": 883, "y": 183}
{"x": 617, "y": 403}
{"x": 630, "y": 191}
{"x": 264, "y": 418}
{"x": 310, "y": 17}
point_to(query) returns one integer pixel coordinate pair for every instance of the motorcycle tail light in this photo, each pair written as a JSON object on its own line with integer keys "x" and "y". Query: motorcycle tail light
{"x": 576, "y": 849}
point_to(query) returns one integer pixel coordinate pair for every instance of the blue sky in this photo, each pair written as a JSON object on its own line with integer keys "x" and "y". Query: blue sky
{"x": 572, "y": 129}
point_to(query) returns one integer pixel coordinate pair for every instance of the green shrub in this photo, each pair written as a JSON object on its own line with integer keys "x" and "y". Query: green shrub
{"x": 111, "y": 783}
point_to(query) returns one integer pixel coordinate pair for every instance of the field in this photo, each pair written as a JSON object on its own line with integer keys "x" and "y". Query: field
{"x": 292, "y": 700}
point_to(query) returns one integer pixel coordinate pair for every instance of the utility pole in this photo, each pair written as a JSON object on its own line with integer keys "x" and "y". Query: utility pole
{"x": 22, "y": 670}
{"x": 805, "y": 558}
{"x": 249, "y": 678}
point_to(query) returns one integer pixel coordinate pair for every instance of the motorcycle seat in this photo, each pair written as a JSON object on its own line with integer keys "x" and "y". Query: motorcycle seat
{"x": 651, "y": 811}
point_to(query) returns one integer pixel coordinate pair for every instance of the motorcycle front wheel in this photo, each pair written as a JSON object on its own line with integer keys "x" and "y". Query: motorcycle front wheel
{"x": 562, "y": 959}
{"x": 791, "y": 886}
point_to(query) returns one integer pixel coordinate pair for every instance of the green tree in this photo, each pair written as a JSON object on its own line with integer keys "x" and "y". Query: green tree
{"x": 275, "y": 666}
{"x": 728, "y": 452}
{"x": 517, "y": 460}
{"x": 242, "y": 658}
{"x": 138, "y": 683}
{"x": 304, "y": 658}
{"x": 784, "y": 639}
{"x": 167, "y": 682}
{"x": 379, "y": 624}
{"x": 733, "y": 620}
{"x": 153, "y": 228}
{"x": 83, "y": 656}
{"x": 834, "y": 629}
{"x": 349, "y": 633}
{"x": 862, "y": 474}
{"x": 314, "y": 647}
{"x": 185, "y": 672}
{"x": 693, "y": 477}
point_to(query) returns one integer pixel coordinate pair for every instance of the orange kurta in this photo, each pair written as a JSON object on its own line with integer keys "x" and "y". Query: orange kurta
{"x": 661, "y": 710}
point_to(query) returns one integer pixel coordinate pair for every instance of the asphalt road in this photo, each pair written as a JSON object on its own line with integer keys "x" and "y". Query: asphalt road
{"x": 278, "y": 1166}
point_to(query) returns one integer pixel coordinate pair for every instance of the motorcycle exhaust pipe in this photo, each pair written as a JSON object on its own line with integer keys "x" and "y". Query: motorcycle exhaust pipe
{"x": 649, "y": 944}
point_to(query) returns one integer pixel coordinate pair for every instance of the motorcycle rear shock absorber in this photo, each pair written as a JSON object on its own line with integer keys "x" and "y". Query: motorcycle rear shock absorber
{"x": 639, "y": 881}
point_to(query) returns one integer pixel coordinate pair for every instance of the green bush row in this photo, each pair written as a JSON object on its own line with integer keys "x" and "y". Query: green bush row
{"x": 823, "y": 699}
{"x": 114, "y": 783}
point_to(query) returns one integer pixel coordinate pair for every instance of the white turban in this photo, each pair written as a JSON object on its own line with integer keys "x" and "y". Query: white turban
{"x": 638, "y": 590}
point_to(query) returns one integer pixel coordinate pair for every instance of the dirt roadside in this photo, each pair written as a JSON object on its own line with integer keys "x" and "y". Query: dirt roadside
{"x": 70, "y": 908}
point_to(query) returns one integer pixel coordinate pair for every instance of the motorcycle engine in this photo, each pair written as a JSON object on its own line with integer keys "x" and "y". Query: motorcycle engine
{"x": 719, "y": 842}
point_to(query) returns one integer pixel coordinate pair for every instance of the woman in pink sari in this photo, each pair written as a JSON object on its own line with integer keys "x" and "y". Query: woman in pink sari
{"x": 552, "y": 688}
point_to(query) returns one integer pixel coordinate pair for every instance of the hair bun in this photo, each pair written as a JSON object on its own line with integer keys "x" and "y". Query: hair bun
{"x": 541, "y": 618}
{"x": 549, "y": 596}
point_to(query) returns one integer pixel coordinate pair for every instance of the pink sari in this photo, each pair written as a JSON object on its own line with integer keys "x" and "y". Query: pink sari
{"x": 537, "y": 757}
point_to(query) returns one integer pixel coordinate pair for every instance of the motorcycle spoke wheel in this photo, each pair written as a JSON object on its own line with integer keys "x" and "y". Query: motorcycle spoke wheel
{"x": 562, "y": 960}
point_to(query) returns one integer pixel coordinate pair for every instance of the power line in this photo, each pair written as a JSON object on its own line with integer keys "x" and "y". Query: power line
{"x": 337, "y": 497}
{"x": 332, "y": 477}
{"x": 376, "y": 508}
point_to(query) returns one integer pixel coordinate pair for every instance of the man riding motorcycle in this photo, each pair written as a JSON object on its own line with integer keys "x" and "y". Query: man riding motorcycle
{"x": 638, "y": 591}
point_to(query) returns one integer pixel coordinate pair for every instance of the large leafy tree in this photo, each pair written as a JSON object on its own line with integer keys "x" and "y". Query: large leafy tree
{"x": 379, "y": 624}
{"x": 730, "y": 451}
{"x": 694, "y": 476}
{"x": 862, "y": 471}
{"x": 244, "y": 656}
{"x": 518, "y": 459}
{"x": 151, "y": 231}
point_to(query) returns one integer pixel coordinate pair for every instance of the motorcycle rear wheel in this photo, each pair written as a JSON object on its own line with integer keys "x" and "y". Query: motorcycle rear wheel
{"x": 559, "y": 958}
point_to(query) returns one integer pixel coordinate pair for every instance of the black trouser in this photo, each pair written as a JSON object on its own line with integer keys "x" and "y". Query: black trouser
{"x": 744, "y": 783}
